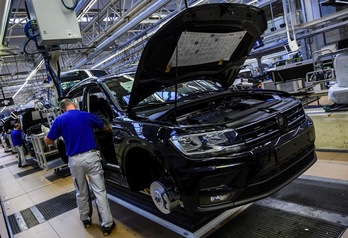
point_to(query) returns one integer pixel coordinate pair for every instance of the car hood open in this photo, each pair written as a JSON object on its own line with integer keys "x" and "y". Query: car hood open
{"x": 210, "y": 40}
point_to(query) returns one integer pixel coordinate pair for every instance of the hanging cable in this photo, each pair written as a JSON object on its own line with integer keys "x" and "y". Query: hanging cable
{"x": 72, "y": 7}
{"x": 53, "y": 75}
{"x": 30, "y": 32}
{"x": 33, "y": 38}
{"x": 186, "y": 4}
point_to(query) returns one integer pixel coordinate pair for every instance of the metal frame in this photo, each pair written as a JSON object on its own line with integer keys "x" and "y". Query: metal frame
{"x": 206, "y": 229}
{"x": 42, "y": 152}
{"x": 119, "y": 29}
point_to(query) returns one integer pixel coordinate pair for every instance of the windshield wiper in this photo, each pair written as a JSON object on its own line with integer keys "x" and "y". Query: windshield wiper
{"x": 160, "y": 103}
{"x": 152, "y": 104}
{"x": 198, "y": 94}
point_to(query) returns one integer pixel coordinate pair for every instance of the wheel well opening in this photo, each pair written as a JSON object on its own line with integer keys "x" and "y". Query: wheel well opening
{"x": 141, "y": 169}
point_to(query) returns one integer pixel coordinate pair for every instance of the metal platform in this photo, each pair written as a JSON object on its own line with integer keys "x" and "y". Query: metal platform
{"x": 209, "y": 225}
{"x": 310, "y": 207}
{"x": 298, "y": 210}
{"x": 179, "y": 220}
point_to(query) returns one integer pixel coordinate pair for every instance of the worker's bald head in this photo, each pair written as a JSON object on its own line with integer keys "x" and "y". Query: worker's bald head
{"x": 66, "y": 103}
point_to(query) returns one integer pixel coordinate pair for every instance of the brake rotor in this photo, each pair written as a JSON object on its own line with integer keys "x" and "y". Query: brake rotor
{"x": 164, "y": 198}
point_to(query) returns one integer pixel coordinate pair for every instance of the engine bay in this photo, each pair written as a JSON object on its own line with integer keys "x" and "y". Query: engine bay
{"x": 226, "y": 110}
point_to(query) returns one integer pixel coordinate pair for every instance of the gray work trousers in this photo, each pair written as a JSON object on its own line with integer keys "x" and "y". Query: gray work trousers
{"x": 21, "y": 156}
{"x": 89, "y": 165}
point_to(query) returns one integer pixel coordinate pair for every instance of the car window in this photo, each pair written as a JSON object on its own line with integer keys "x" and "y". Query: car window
{"x": 186, "y": 89}
{"x": 77, "y": 98}
{"x": 98, "y": 104}
{"x": 98, "y": 73}
{"x": 70, "y": 78}
{"x": 121, "y": 87}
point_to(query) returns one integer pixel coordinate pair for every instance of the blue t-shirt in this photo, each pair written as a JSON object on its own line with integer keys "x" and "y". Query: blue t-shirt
{"x": 76, "y": 127}
{"x": 16, "y": 137}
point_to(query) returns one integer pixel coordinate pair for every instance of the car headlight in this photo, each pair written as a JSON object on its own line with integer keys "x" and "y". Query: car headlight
{"x": 208, "y": 143}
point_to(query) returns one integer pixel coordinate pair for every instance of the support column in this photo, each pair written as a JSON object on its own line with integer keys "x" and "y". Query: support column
{"x": 312, "y": 12}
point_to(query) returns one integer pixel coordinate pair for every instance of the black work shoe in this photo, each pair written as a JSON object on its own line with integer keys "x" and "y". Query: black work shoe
{"x": 25, "y": 165}
{"x": 87, "y": 223}
{"x": 107, "y": 230}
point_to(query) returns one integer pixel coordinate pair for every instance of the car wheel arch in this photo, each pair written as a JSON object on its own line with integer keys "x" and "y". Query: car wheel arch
{"x": 141, "y": 166}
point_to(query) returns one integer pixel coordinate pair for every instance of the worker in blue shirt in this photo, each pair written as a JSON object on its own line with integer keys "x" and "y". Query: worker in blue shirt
{"x": 76, "y": 128}
{"x": 17, "y": 142}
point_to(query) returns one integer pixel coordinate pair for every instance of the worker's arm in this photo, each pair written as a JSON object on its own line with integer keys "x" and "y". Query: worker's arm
{"x": 106, "y": 128}
{"x": 48, "y": 141}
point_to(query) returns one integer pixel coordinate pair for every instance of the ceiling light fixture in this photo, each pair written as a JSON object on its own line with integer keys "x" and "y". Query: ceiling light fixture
{"x": 32, "y": 73}
{"x": 196, "y": 3}
{"x": 123, "y": 50}
{"x": 29, "y": 77}
{"x": 252, "y": 2}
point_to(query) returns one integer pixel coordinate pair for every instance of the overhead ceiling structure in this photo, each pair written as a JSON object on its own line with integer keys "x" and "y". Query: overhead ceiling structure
{"x": 113, "y": 32}
{"x": 113, "y": 35}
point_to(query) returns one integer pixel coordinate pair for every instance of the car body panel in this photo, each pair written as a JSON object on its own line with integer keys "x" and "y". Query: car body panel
{"x": 268, "y": 124}
{"x": 69, "y": 78}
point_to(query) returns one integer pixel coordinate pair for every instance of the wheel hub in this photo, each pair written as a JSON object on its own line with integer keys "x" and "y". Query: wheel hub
{"x": 165, "y": 199}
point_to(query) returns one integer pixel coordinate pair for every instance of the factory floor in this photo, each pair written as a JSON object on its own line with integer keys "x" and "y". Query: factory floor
{"x": 32, "y": 187}
{"x": 20, "y": 190}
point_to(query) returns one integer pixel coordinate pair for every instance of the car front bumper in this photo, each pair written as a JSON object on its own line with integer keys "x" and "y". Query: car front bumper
{"x": 248, "y": 177}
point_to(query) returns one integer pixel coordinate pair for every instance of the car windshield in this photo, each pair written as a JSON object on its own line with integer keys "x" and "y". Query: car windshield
{"x": 187, "y": 89}
{"x": 120, "y": 88}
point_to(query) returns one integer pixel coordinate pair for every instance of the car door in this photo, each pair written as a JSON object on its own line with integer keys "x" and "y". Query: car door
{"x": 97, "y": 103}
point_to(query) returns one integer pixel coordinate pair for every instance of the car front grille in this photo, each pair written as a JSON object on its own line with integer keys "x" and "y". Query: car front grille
{"x": 255, "y": 133}
{"x": 295, "y": 116}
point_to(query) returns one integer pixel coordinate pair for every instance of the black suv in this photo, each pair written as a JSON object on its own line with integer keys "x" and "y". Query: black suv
{"x": 181, "y": 134}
